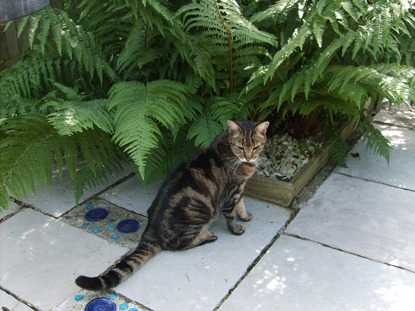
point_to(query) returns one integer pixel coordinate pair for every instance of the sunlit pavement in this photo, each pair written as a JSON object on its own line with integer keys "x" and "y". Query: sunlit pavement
{"x": 350, "y": 247}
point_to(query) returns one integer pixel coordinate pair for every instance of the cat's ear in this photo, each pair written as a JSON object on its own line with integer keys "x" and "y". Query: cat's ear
{"x": 261, "y": 128}
{"x": 234, "y": 127}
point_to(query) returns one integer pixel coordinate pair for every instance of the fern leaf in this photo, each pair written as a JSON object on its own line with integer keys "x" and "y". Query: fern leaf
{"x": 204, "y": 129}
{"x": 377, "y": 142}
{"x": 27, "y": 155}
{"x": 139, "y": 109}
{"x": 296, "y": 41}
{"x": 71, "y": 117}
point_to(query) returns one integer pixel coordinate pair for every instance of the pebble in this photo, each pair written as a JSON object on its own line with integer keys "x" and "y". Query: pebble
{"x": 284, "y": 156}
{"x": 123, "y": 306}
{"x": 79, "y": 297}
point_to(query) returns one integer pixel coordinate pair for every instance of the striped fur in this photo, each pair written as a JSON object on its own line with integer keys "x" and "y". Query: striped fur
{"x": 193, "y": 195}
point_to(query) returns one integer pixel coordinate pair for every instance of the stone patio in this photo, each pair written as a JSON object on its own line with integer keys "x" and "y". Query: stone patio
{"x": 350, "y": 247}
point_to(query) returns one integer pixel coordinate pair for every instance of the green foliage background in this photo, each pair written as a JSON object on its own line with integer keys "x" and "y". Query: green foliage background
{"x": 146, "y": 81}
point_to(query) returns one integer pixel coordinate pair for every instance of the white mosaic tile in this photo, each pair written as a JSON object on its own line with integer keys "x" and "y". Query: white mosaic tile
{"x": 298, "y": 275}
{"x": 366, "y": 218}
{"x": 41, "y": 257}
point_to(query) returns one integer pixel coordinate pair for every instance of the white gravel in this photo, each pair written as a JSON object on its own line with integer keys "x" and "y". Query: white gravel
{"x": 284, "y": 156}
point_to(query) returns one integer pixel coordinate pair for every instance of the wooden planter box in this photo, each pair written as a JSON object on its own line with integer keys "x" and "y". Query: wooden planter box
{"x": 281, "y": 192}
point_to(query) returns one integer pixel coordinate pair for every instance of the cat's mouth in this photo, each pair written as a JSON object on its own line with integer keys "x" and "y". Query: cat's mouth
{"x": 244, "y": 160}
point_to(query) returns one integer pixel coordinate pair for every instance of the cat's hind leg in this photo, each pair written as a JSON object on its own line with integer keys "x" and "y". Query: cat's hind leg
{"x": 204, "y": 236}
{"x": 241, "y": 211}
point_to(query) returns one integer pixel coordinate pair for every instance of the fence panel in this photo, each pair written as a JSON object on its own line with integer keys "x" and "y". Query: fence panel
{"x": 12, "y": 47}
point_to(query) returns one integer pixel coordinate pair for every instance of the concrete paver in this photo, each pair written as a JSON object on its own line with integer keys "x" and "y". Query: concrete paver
{"x": 401, "y": 170}
{"x": 13, "y": 208}
{"x": 41, "y": 257}
{"x": 303, "y": 275}
{"x": 59, "y": 197}
{"x": 132, "y": 195}
{"x": 365, "y": 218}
{"x": 11, "y": 303}
{"x": 197, "y": 279}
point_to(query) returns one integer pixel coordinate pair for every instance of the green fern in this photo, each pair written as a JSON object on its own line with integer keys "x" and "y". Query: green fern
{"x": 376, "y": 141}
{"x": 140, "y": 110}
{"x": 31, "y": 147}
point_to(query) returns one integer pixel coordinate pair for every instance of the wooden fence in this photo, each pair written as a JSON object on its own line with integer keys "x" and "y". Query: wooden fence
{"x": 12, "y": 47}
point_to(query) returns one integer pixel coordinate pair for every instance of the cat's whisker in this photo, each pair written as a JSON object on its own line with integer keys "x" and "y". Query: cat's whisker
{"x": 232, "y": 164}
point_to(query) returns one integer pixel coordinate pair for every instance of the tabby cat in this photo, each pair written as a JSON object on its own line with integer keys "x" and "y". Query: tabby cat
{"x": 193, "y": 195}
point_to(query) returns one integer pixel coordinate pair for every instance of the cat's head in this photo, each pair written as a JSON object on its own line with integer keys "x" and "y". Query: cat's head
{"x": 247, "y": 139}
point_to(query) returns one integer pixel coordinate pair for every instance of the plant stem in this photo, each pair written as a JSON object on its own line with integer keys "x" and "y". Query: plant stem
{"x": 230, "y": 48}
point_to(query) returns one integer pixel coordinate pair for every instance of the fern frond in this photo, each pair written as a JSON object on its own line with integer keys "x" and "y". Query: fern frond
{"x": 375, "y": 141}
{"x": 140, "y": 109}
{"x": 296, "y": 41}
{"x": 204, "y": 130}
{"x": 27, "y": 155}
{"x": 75, "y": 116}
{"x": 31, "y": 148}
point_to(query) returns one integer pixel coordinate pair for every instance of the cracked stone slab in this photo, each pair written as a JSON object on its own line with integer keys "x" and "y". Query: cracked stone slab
{"x": 396, "y": 117}
{"x": 197, "y": 279}
{"x": 299, "y": 275}
{"x": 366, "y": 218}
{"x": 401, "y": 170}
{"x": 13, "y": 208}
{"x": 107, "y": 228}
{"x": 41, "y": 257}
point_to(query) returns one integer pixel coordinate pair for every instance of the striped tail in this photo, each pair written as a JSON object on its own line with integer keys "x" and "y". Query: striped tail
{"x": 147, "y": 248}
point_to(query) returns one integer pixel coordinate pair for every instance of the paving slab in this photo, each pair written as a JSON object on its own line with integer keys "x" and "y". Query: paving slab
{"x": 132, "y": 195}
{"x": 13, "y": 208}
{"x": 8, "y": 302}
{"x": 302, "y": 275}
{"x": 396, "y": 117}
{"x": 41, "y": 257}
{"x": 197, "y": 279}
{"x": 58, "y": 198}
{"x": 366, "y": 218}
{"x": 401, "y": 169}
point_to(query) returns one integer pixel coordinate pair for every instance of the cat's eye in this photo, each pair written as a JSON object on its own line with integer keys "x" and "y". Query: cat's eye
{"x": 241, "y": 148}
{"x": 255, "y": 148}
